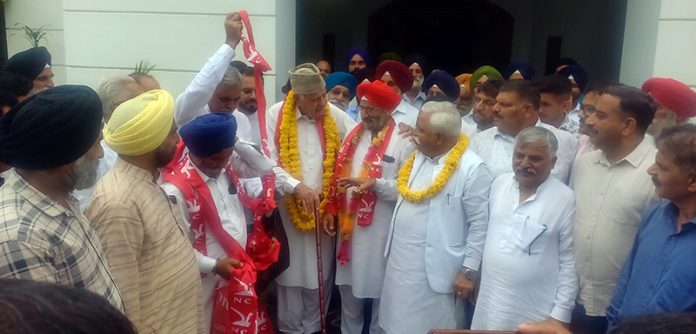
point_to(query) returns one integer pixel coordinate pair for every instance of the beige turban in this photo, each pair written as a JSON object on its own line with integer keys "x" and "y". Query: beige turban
{"x": 306, "y": 79}
{"x": 141, "y": 124}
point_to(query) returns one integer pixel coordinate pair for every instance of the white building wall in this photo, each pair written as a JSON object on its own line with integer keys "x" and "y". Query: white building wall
{"x": 660, "y": 41}
{"x": 99, "y": 38}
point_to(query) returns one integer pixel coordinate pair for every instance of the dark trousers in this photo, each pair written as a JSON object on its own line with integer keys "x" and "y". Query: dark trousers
{"x": 586, "y": 324}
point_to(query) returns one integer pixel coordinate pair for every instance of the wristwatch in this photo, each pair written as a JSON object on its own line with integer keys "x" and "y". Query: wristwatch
{"x": 470, "y": 274}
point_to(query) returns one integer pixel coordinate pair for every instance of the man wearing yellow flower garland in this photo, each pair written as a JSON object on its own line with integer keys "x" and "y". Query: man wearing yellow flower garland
{"x": 305, "y": 133}
{"x": 435, "y": 241}
{"x": 364, "y": 197}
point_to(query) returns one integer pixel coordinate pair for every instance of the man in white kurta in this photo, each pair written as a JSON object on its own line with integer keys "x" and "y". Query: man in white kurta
{"x": 435, "y": 246}
{"x": 361, "y": 277}
{"x": 217, "y": 87}
{"x": 298, "y": 294}
{"x": 528, "y": 269}
{"x": 516, "y": 109}
{"x": 212, "y": 138}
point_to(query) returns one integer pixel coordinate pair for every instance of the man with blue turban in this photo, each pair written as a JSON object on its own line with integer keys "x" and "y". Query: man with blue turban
{"x": 578, "y": 79}
{"x": 210, "y": 197}
{"x": 519, "y": 70}
{"x": 340, "y": 90}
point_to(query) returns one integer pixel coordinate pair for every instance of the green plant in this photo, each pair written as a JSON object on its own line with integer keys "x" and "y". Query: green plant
{"x": 143, "y": 67}
{"x": 34, "y": 35}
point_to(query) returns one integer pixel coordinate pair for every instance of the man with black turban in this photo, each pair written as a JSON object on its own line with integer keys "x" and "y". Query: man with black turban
{"x": 35, "y": 65}
{"x": 52, "y": 141}
{"x": 440, "y": 83}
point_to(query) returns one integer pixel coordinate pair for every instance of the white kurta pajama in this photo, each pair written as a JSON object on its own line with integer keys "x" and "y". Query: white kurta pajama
{"x": 298, "y": 288}
{"x": 528, "y": 270}
{"x": 362, "y": 277}
{"x": 231, "y": 213}
{"x": 428, "y": 244}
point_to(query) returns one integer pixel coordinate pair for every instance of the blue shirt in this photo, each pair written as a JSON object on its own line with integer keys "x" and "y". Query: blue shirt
{"x": 353, "y": 113}
{"x": 660, "y": 273}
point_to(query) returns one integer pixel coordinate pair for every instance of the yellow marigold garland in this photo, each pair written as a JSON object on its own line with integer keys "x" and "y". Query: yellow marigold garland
{"x": 290, "y": 160}
{"x": 451, "y": 164}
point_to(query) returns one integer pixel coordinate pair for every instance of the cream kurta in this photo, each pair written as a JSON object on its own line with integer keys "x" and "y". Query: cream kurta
{"x": 365, "y": 271}
{"x": 149, "y": 254}
{"x": 302, "y": 271}
{"x": 610, "y": 199}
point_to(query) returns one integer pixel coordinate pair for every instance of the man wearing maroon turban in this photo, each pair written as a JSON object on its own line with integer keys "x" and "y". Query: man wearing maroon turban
{"x": 363, "y": 198}
{"x": 399, "y": 78}
{"x": 676, "y": 103}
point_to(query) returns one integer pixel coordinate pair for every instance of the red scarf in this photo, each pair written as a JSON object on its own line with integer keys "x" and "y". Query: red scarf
{"x": 360, "y": 205}
{"x": 237, "y": 295}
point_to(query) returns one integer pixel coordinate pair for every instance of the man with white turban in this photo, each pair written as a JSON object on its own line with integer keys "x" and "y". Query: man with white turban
{"x": 142, "y": 231}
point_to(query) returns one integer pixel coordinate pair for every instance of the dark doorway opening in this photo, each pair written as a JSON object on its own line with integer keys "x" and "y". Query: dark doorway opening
{"x": 457, "y": 36}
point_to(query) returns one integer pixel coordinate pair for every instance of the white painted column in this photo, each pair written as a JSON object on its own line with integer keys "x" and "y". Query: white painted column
{"x": 659, "y": 41}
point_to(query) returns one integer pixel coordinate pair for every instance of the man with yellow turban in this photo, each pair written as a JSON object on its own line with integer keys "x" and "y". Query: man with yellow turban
{"x": 142, "y": 231}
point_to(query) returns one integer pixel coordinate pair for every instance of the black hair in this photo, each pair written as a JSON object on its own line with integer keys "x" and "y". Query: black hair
{"x": 527, "y": 90}
{"x": 635, "y": 103}
{"x": 491, "y": 87}
{"x": 599, "y": 87}
{"x": 243, "y": 68}
{"x": 556, "y": 85}
{"x": 680, "y": 140}
{"x": 28, "y": 307}
{"x": 15, "y": 84}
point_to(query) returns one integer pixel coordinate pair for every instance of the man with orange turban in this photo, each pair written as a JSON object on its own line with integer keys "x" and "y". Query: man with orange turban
{"x": 676, "y": 103}
{"x": 363, "y": 196}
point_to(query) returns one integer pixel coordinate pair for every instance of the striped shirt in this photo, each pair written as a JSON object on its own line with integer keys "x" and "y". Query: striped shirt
{"x": 148, "y": 251}
{"x": 41, "y": 240}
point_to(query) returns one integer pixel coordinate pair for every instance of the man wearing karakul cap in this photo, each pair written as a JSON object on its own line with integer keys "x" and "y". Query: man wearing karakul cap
{"x": 364, "y": 200}
{"x": 209, "y": 195}
{"x": 304, "y": 136}
{"x": 35, "y": 65}
{"x": 676, "y": 103}
{"x": 399, "y": 78}
{"x": 143, "y": 233}
{"x": 52, "y": 140}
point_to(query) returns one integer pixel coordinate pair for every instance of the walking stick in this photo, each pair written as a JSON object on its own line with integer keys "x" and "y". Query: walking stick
{"x": 320, "y": 271}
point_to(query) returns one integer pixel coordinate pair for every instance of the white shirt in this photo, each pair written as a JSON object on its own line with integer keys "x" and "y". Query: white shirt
{"x": 528, "y": 269}
{"x": 193, "y": 102}
{"x": 610, "y": 199}
{"x": 243, "y": 126}
{"x": 405, "y": 113}
{"x": 253, "y": 119}
{"x": 574, "y": 114}
{"x": 229, "y": 209}
{"x": 302, "y": 271}
{"x": 496, "y": 148}
{"x": 365, "y": 271}
{"x": 417, "y": 102}
{"x": 107, "y": 162}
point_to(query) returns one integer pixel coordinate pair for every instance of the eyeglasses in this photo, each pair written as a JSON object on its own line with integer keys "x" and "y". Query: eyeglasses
{"x": 368, "y": 110}
{"x": 588, "y": 109}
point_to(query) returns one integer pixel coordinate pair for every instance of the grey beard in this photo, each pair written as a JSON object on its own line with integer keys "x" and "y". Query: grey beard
{"x": 340, "y": 104}
{"x": 85, "y": 174}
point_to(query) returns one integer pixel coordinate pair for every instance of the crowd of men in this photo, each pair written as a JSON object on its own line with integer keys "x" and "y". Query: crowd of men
{"x": 485, "y": 200}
